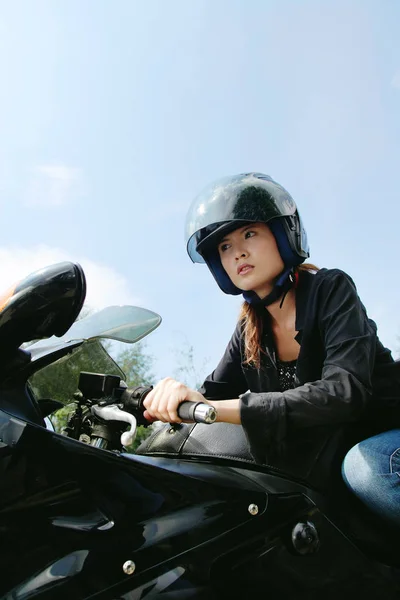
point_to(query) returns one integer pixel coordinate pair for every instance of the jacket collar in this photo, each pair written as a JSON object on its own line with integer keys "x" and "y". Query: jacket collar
{"x": 306, "y": 280}
{"x": 303, "y": 289}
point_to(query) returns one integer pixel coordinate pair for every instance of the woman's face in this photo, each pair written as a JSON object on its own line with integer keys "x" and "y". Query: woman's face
{"x": 251, "y": 258}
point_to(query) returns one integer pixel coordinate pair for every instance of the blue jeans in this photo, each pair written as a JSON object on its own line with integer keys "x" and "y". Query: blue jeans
{"x": 371, "y": 470}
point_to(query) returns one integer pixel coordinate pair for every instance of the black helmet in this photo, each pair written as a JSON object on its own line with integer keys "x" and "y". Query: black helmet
{"x": 233, "y": 201}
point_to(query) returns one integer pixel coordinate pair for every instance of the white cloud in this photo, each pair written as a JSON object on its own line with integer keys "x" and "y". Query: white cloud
{"x": 396, "y": 80}
{"x": 105, "y": 286}
{"x": 52, "y": 185}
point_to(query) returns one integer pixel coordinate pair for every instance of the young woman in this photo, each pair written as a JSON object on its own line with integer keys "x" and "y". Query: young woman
{"x": 300, "y": 366}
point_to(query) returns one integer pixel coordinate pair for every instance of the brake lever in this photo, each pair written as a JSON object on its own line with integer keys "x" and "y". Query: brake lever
{"x": 114, "y": 413}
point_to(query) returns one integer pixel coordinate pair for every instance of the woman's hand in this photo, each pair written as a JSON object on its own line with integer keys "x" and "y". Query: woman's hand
{"x": 162, "y": 402}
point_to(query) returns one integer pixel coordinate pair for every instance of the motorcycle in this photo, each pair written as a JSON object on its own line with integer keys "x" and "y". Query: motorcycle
{"x": 188, "y": 515}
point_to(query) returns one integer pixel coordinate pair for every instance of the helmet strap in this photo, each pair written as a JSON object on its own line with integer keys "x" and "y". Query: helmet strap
{"x": 283, "y": 284}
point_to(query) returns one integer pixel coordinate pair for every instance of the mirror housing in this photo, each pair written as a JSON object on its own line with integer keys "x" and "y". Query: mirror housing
{"x": 45, "y": 303}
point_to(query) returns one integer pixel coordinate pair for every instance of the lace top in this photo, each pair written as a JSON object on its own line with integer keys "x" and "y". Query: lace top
{"x": 286, "y": 373}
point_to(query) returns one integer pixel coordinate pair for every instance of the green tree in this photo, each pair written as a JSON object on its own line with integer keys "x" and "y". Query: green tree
{"x": 186, "y": 370}
{"x": 59, "y": 380}
{"x": 137, "y": 365}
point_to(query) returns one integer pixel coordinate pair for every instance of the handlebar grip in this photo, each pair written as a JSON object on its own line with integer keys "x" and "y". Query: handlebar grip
{"x": 132, "y": 401}
{"x": 199, "y": 412}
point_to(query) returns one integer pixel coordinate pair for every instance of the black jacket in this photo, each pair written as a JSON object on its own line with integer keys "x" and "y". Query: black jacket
{"x": 342, "y": 371}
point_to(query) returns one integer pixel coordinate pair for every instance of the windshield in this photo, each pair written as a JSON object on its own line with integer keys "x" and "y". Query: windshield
{"x": 87, "y": 351}
{"x": 122, "y": 323}
{"x": 59, "y": 380}
{"x": 58, "y": 361}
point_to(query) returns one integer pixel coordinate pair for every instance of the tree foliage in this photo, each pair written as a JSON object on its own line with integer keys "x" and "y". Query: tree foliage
{"x": 186, "y": 370}
{"x": 136, "y": 365}
{"x": 59, "y": 380}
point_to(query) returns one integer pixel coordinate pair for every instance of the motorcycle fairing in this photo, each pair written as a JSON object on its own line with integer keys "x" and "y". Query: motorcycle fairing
{"x": 76, "y": 514}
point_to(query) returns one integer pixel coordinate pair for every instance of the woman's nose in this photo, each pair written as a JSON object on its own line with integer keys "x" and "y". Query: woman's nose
{"x": 240, "y": 253}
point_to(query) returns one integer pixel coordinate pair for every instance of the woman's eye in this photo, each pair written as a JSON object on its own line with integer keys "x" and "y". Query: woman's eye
{"x": 249, "y": 234}
{"x": 223, "y": 247}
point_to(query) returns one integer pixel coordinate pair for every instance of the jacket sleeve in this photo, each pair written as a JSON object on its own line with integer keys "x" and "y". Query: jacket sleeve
{"x": 349, "y": 343}
{"x": 227, "y": 380}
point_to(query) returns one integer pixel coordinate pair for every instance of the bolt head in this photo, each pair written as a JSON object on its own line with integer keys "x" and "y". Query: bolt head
{"x": 253, "y": 509}
{"x": 129, "y": 567}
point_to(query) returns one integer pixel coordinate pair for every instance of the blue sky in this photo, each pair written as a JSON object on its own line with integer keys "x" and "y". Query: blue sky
{"x": 115, "y": 114}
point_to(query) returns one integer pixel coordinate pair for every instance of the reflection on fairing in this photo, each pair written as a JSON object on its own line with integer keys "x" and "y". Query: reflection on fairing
{"x": 66, "y": 567}
{"x": 169, "y": 582}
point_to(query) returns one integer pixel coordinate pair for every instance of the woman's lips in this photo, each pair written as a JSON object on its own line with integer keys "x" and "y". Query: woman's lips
{"x": 243, "y": 269}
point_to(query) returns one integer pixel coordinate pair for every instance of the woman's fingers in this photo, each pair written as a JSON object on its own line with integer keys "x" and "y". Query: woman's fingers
{"x": 162, "y": 401}
{"x": 148, "y": 417}
{"x": 167, "y": 399}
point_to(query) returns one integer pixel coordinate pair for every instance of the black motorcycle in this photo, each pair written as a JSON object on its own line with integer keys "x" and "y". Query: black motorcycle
{"x": 189, "y": 515}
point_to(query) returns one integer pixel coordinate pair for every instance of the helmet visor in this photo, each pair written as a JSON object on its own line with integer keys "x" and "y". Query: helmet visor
{"x": 252, "y": 197}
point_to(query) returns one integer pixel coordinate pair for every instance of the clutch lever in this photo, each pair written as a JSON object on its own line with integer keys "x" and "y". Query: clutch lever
{"x": 112, "y": 412}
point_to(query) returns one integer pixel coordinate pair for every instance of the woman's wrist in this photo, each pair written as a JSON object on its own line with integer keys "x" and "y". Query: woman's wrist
{"x": 228, "y": 411}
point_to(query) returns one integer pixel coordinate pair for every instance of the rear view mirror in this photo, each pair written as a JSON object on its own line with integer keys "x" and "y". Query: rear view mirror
{"x": 43, "y": 304}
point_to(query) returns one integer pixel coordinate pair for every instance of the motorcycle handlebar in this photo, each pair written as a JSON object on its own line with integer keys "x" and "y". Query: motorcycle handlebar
{"x": 199, "y": 412}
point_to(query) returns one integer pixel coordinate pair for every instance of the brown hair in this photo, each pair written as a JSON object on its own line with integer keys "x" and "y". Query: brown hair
{"x": 252, "y": 325}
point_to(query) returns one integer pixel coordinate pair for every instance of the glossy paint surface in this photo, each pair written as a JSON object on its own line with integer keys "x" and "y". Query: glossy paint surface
{"x": 71, "y": 516}
{"x": 43, "y": 304}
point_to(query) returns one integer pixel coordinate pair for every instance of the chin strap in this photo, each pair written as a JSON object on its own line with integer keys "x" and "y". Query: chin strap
{"x": 282, "y": 285}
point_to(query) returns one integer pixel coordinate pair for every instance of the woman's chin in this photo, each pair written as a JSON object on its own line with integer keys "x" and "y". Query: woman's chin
{"x": 251, "y": 286}
{"x": 260, "y": 293}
